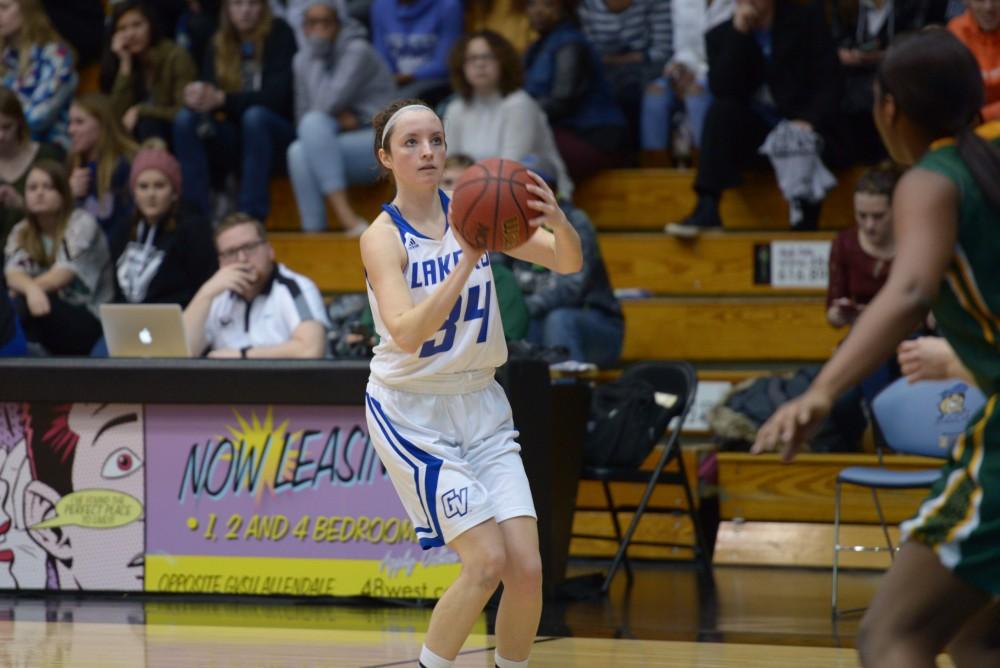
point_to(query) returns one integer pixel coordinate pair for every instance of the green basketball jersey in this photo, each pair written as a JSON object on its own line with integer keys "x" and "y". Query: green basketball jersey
{"x": 968, "y": 306}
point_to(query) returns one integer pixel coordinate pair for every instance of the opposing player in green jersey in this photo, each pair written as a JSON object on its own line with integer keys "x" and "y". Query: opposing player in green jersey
{"x": 941, "y": 590}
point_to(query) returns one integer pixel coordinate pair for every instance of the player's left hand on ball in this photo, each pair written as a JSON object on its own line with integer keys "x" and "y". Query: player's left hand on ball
{"x": 467, "y": 248}
{"x": 550, "y": 214}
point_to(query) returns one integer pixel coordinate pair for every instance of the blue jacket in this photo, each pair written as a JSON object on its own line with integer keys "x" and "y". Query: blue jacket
{"x": 416, "y": 38}
{"x": 585, "y": 101}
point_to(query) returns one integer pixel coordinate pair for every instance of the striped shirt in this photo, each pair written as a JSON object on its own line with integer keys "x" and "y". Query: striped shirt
{"x": 287, "y": 300}
{"x": 645, "y": 26}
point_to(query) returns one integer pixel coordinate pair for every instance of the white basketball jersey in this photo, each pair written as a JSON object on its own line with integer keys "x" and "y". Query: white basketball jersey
{"x": 471, "y": 339}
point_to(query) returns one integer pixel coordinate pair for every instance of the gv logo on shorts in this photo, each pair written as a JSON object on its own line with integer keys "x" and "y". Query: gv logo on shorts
{"x": 456, "y": 502}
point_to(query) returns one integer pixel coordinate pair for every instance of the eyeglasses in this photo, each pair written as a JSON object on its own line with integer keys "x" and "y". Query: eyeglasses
{"x": 246, "y": 249}
{"x": 319, "y": 22}
{"x": 480, "y": 58}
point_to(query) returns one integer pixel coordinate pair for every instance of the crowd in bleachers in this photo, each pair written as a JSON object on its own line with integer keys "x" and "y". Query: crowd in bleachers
{"x": 113, "y": 194}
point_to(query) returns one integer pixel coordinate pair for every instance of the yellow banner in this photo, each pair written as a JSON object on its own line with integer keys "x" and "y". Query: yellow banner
{"x": 294, "y": 577}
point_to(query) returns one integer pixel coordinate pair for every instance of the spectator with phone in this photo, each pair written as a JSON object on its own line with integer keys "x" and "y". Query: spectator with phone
{"x": 861, "y": 256}
{"x": 860, "y": 259}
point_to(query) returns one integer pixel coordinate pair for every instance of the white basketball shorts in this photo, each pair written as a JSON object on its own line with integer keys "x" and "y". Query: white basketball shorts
{"x": 453, "y": 458}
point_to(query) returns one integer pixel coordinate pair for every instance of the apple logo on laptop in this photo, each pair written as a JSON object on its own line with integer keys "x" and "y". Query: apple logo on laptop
{"x": 145, "y": 337}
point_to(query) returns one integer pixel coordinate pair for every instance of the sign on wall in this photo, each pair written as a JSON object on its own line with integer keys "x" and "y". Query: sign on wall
{"x": 792, "y": 264}
{"x": 211, "y": 499}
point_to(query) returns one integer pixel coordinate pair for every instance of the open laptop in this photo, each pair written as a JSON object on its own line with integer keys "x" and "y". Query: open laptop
{"x": 144, "y": 330}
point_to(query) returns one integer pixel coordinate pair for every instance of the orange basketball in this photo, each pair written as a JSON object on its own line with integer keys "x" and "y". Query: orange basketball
{"x": 490, "y": 205}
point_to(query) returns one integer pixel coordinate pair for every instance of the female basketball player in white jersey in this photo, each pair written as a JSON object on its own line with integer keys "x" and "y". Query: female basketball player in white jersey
{"x": 439, "y": 422}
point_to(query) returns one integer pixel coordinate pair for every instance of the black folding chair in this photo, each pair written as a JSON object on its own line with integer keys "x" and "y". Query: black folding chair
{"x": 679, "y": 380}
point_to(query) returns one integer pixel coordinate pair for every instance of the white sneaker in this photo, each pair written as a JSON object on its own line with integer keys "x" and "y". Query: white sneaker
{"x": 682, "y": 230}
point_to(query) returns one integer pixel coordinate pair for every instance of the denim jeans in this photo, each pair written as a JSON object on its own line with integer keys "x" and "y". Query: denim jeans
{"x": 590, "y": 335}
{"x": 657, "y": 113}
{"x": 249, "y": 147}
{"x": 100, "y": 349}
{"x": 17, "y": 346}
{"x": 324, "y": 160}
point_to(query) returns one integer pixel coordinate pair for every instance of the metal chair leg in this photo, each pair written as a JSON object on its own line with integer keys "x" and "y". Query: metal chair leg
{"x": 836, "y": 549}
{"x": 701, "y": 543}
{"x": 640, "y": 509}
{"x": 617, "y": 525}
{"x": 885, "y": 527}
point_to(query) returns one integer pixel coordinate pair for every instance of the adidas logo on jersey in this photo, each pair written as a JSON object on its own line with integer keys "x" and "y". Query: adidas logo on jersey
{"x": 412, "y": 243}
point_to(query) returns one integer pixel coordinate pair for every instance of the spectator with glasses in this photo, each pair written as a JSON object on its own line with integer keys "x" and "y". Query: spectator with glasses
{"x": 254, "y": 307}
{"x": 492, "y": 116}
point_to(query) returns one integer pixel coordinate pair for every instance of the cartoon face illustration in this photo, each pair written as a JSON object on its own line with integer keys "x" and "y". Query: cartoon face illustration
{"x": 22, "y": 561}
{"x": 79, "y": 447}
{"x": 952, "y": 401}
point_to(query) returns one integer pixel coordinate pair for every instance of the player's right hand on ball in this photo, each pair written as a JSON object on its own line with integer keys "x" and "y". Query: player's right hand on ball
{"x": 546, "y": 204}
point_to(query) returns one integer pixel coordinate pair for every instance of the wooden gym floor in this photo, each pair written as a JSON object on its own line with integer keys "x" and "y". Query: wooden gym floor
{"x": 670, "y": 617}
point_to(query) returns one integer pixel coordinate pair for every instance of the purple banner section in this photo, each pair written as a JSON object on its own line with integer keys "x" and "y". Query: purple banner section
{"x": 269, "y": 481}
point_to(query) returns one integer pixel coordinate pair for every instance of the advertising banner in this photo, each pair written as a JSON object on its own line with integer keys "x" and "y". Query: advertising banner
{"x": 278, "y": 500}
{"x": 282, "y": 500}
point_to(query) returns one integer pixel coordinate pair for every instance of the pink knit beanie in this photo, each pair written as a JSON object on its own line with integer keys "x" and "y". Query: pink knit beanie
{"x": 154, "y": 158}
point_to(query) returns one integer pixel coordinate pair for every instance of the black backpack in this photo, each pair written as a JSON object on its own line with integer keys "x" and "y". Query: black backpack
{"x": 625, "y": 424}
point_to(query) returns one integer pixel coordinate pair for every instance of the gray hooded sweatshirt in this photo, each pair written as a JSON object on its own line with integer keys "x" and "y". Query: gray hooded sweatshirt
{"x": 345, "y": 75}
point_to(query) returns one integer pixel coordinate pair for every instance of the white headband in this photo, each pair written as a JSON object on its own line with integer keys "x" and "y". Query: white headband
{"x": 395, "y": 117}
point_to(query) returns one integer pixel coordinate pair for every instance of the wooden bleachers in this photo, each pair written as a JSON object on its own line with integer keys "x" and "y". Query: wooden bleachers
{"x": 706, "y": 308}
{"x": 719, "y": 263}
{"x": 730, "y": 329}
{"x": 632, "y": 200}
{"x": 782, "y": 514}
{"x": 646, "y": 199}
